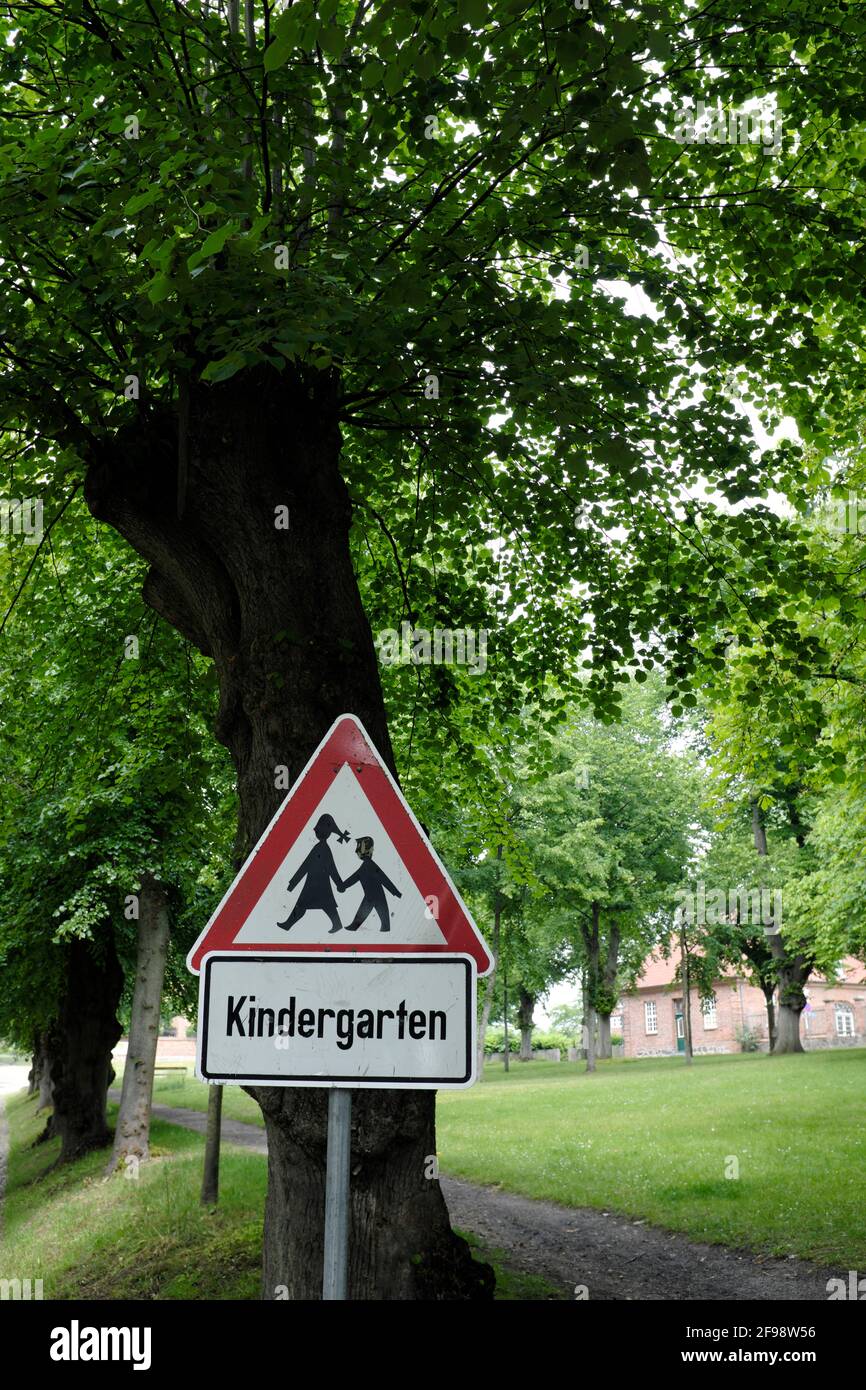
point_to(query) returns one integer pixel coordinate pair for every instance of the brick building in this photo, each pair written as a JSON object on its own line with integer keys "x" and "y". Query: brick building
{"x": 650, "y": 1017}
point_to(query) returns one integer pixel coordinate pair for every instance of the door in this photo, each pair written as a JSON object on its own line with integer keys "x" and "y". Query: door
{"x": 681, "y": 1029}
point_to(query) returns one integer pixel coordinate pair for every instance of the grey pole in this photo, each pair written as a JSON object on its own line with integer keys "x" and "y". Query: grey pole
{"x": 337, "y": 1194}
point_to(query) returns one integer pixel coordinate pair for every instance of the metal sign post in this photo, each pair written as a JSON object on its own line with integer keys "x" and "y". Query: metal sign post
{"x": 334, "y": 1279}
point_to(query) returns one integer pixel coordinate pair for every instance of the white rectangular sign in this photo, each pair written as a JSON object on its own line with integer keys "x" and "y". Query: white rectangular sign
{"x": 371, "y": 1021}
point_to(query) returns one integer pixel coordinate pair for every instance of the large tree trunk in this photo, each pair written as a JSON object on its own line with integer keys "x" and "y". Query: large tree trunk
{"x": 80, "y": 1045}
{"x": 39, "y": 1079}
{"x": 590, "y": 1019}
{"x": 794, "y": 970}
{"x": 490, "y": 981}
{"x": 35, "y": 1067}
{"x": 687, "y": 999}
{"x": 46, "y": 1089}
{"x": 793, "y": 967}
{"x": 132, "y": 1132}
{"x": 771, "y": 1016}
{"x": 280, "y": 613}
{"x": 525, "y": 1010}
{"x": 608, "y": 991}
{"x": 788, "y": 1033}
{"x": 590, "y": 932}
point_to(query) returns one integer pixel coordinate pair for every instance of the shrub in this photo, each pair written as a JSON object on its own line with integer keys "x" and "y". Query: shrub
{"x": 551, "y": 1039}
{"x": 495, "y": 1038}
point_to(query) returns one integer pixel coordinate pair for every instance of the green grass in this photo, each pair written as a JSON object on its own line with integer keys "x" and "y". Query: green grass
{"x": 651, "y": 1138}
{"x": 513, "y": 1285}
{"x": 148, "y": 1238}
{"x": 141, "y": 1239}
{"x": 189, "y": 1094}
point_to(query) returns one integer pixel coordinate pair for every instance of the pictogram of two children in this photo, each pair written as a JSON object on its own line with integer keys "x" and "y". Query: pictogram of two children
{"x": 319, "y": 872}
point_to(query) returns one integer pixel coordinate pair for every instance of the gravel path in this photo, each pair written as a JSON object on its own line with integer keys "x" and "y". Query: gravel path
{"x": 614, "y": 1257}
{"x": 11, "y": 1079}
{"x": 4, "y": 1154}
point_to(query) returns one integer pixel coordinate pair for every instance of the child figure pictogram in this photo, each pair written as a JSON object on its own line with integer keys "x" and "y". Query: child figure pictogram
{"x": 320, "y": 871}
{"x": 374, "y": 881}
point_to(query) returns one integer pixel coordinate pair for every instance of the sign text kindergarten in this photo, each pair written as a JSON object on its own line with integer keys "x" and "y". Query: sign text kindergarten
{"x": 332, "y": 1019}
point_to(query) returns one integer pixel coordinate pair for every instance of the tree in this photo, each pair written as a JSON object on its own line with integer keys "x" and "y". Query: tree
{"x": 111, "y": 775}
{"x": 610, "y": 825}
{"x": 787, "y": 740}
{"x": 732, "y": 900}
{"x": 568, "y": 1018}
{"x": 254, "y": 282}
{"x": 132, "y": 1131}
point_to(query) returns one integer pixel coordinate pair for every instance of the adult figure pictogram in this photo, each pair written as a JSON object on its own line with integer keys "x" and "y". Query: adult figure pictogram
{"x": 320, "y": 872}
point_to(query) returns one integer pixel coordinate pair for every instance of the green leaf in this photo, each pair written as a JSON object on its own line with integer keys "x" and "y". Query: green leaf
{"x": 224, "y": 367}
{"x": 143, "y": 200}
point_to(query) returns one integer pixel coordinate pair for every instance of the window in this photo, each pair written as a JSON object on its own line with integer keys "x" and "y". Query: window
{"x": 708, "y": 1009}
{"x": 650, "y": 1016}
{"x": 844, "y": 1021}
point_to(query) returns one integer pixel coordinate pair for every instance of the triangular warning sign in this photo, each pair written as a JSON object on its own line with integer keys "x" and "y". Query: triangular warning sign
{"x": 343, "y": 866}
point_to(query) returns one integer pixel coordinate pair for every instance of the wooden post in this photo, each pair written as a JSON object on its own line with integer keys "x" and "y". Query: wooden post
{"x": 210, "y": 1183}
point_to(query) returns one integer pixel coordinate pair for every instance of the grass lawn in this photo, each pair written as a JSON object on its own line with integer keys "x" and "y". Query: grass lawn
{"x": 189, "y": 1094}
{"x": 149, "y": 1238}
{"x": 652, "y": 1138}
{"x": 140, "y": 1239}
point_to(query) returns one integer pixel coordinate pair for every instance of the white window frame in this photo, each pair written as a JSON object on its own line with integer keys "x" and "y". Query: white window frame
{"x": 844, "y": 1011}
{"x": 650, "y": 1016}
{"x": 709, "y": 1011}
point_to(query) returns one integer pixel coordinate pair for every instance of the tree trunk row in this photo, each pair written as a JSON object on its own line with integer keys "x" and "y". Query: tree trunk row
{"x": 280, "y": 614}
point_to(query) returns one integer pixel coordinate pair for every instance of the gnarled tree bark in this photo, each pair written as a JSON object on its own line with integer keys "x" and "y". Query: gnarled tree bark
{"x": 610, "y": 972}
{"x": 280, "y": 614}
{"x": 80, "y": 1044}
{"x": 793, "y": 967}
{"x": 132, "y": 1131}
{"x": 525, "y": 1010}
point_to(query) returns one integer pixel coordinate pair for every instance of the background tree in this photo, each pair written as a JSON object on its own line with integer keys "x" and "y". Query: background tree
{"x": 240, "y": 284}
{"x": 111, "y": 777}
{"x": 609, "y": 833}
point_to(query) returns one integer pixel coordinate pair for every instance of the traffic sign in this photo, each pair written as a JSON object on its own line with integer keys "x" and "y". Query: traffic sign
{"x": 371, "y": 1021}
{"x": 344, "y": 868}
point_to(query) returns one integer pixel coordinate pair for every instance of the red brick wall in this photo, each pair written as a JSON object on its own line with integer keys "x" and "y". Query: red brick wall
{"x": 738, "y": 1007}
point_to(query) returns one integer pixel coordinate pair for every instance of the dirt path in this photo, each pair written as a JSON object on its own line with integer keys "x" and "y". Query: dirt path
{"x": 11, "y": 1079}
{"x": 617, "y": 1258}
{"x": 614, "y": 1257}
{"x": 4, "y": 1153}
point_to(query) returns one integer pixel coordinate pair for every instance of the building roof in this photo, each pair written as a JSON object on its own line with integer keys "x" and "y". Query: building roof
{"x": 657, "y": 973}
